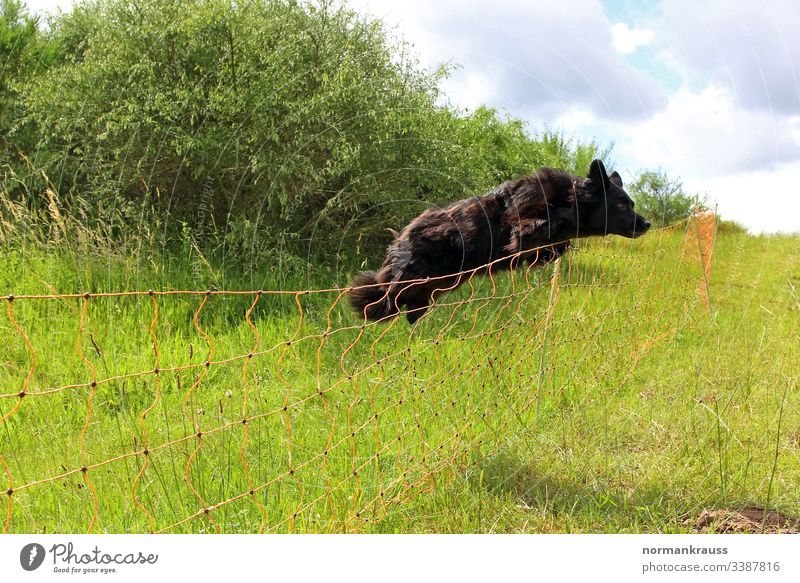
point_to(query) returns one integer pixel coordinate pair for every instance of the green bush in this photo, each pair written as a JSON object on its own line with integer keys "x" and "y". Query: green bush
{"x": 25, "y": 52}
{"x": 662, "y": 199}
{"x": 258, "y": 127}
{"x": 731, "y": 228}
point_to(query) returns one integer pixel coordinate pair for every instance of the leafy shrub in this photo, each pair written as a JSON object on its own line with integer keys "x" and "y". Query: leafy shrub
{"x": 248, "y": 128}
{"x": 661, "y": 199}
{"x": 731, "y": 228}
{"x": 25, "y": 52}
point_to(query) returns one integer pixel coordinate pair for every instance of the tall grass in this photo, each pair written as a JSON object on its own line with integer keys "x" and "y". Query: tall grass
{"x": 647, "y": 411}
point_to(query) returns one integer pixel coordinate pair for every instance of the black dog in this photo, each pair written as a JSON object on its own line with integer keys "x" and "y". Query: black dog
{"x": 531, "y": 218}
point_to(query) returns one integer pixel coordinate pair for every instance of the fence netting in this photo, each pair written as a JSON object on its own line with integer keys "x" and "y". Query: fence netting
{"x": 283, "y": 411}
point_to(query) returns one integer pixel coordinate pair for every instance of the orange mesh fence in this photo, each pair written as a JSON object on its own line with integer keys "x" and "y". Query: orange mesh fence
{"x": 282, "y": 411}
{"x": 703, "y": 235}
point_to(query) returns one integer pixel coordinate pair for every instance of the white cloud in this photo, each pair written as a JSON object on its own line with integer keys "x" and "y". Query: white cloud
{"x": 472, "y": 89}
{"x": 751, "y": 47}
{"x": 627, "y": 40}
{"x": 793, "y": 127}
{"x": 48, "y": 6}
{"x": 699, "y": 133}
{"x": 764, "y": 201}
{"x": 747, "y": 161}
{"x": 540, "y": 57}
{"x": 707, "y": 133}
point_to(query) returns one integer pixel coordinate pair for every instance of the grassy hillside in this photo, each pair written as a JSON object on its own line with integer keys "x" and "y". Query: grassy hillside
{"x": 597, "y": 395}
{"x": 708, "y": 419}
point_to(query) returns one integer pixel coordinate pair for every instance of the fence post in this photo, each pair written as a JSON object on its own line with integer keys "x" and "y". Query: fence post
{"x": 705, "y": 263}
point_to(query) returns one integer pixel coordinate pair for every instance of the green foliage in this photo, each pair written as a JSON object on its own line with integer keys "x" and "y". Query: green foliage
{"x": 506, "y": 149}
{"x": 18, "y": 33}
{"x": 24, "y": 53}
{"x": 280, "y": 113}
{"x": 731, "y": 228}
{"x": 661, "y": 199}
{"x": 265, "y": 125}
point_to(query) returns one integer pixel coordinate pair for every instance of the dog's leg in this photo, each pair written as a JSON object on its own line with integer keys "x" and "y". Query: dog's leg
{"x": 417, "y": 300}
{"x": 415, "y": 311}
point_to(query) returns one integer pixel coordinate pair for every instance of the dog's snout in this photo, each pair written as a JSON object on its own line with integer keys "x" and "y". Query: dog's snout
{"x": 640, "y": 226}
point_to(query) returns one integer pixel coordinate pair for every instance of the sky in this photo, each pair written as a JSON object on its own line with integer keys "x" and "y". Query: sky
{"x": 706, "y": 90}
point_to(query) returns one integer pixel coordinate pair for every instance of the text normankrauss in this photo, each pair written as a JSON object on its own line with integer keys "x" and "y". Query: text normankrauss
{"x": 690, "y": 550}
{"x": 66, "y": 554}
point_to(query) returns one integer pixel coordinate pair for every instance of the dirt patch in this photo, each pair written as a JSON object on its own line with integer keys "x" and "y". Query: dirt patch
{"x": 746, "y": 520}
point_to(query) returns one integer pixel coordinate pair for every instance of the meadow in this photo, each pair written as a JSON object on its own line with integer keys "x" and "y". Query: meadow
{"x": 599, "y": 394}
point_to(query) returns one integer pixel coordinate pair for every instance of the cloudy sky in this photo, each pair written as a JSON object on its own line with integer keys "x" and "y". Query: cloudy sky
{"x": 708, "y": 91}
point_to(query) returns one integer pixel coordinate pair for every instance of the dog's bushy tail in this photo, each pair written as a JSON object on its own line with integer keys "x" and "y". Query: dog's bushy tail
{"x": 367, "y": 295}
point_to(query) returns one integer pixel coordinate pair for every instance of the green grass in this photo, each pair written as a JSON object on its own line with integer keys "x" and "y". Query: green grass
{"x": 613, "y": 402}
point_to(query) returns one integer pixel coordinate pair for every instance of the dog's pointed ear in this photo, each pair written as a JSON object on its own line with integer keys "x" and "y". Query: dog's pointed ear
{"x": 616, "y": 178}
{"x": 597, "y": 173}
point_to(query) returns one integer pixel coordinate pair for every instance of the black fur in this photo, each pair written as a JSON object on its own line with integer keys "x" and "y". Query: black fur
{"x": 546, "y": 210}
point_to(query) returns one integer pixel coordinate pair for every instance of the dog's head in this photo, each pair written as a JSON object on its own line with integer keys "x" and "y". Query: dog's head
{"x": 609, "y": 209}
